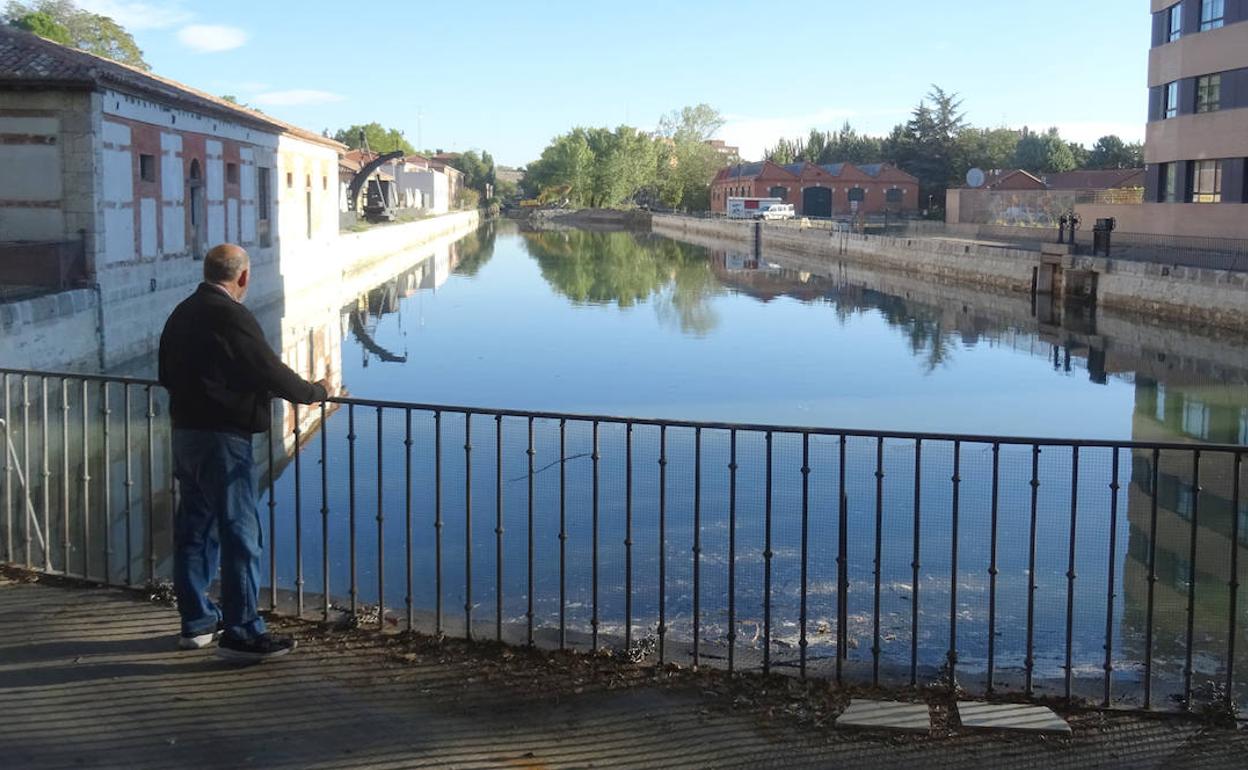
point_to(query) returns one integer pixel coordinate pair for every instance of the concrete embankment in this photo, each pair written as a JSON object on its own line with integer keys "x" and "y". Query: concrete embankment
{"x": 1168, "y": 292}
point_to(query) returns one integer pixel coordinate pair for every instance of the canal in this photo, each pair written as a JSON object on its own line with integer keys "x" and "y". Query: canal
{"x": 639, "y": 326}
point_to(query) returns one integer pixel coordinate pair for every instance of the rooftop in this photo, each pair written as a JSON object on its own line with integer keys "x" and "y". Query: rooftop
{"x": 27, "y": 60}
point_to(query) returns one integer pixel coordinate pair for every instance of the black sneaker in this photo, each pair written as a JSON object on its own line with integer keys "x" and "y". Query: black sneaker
{"x": 255, "y": 650}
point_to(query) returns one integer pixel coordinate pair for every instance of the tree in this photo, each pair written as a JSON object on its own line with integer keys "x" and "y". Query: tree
{"x": 380, "y": 139}
{"x": 1111, "y": 152}
{"x": 685, "y": 162}
{"x": 1043, "y": 153}
{"x": 63, "y": 22}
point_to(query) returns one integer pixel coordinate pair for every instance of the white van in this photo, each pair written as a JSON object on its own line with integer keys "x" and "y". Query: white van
{"x": 779, "y": 211}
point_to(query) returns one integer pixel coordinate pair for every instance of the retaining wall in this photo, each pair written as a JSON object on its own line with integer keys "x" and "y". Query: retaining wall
{"x": 1185, "y": 294}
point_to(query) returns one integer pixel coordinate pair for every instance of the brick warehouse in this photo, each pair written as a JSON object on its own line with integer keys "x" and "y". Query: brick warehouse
{"x": 820, "y": 190}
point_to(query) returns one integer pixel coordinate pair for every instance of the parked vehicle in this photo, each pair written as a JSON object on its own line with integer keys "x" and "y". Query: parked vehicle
{"x": 750, "y": 208}
{"x": 779, "y": 211}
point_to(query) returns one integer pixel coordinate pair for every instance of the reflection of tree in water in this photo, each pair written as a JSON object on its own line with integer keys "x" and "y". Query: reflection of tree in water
{"x": 475, "y": 250}
{"x": 625, "y": 269}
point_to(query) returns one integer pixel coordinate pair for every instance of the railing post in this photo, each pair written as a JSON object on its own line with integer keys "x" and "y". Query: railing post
{"x": 955, "y": 511}
{"x": 915, "y": 564}
{"x": 528, "y": 615}
{"x": 498, "y": 527}
{"x": 468, "y": 525}
{"x": 802, "y": 641}
{"x": 381, "y": 523}
{"x": 325, "y": 589}
{"x": 732, "y": 551}
{"x": 47, "y": 482}
{"x": 354, "y": 590}
{"x": 992, "y": 565}
{"x": 8, "y": 475}
{"x": 65, "y": 526}
{"x": 842, "y": 565}
{"x": 151, "y": 487}
{"x": 86, "y": 483}
{"x": 878, "y": 561}
{"x": 1070, "y": 574}
{"x": 437, "y": 520}
{"x": 407, "y": 514}
{"x": 1233, "y": 583}
{"x": 1030, "y": 662}
{"x": 1110, "y": 594}
{"x": 628, "y": 537}
{"x": 768, "y": 554}
{"x": 129, "y": 487}
{"x": 298, "y": 436}
{"x": 563, "y": 535}
{"x": 106, "y": 465}
{"x": 1191, "y": 581}
{"x": 272, "y": 520}
{"x": 593, "y": 620}
{"x": 1152, "y": 583}
{"x": 662, "y": 629}
{"x": 697, "y": 546}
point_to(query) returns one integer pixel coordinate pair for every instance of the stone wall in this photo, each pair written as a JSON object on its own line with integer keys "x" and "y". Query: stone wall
{"x": 1163, "y": 292}
{"x": 55, "y": 332}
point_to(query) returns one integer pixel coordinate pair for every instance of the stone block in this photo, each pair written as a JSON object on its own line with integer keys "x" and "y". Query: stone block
{"x": 886, "y": 715}
{"x": 1014, "y": 717}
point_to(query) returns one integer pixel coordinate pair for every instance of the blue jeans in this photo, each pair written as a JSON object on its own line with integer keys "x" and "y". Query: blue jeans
{"x": 216, "y": 518}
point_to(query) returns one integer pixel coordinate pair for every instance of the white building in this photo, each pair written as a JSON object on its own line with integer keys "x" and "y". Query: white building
{"x": 117, "y": 181}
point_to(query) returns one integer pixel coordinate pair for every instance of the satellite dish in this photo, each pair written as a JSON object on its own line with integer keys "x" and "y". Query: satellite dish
{"x": 975, "y": 178}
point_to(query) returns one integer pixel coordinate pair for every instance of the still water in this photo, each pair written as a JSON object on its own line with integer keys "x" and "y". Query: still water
{"x": 641, "y": 326}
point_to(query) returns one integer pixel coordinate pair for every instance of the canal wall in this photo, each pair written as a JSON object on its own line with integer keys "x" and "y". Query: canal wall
{"x": 1167, "y": 292}
{"x": 108, "y": 328}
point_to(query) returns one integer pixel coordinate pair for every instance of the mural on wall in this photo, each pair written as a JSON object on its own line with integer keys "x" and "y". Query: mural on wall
{"x": 1018, "y": 208}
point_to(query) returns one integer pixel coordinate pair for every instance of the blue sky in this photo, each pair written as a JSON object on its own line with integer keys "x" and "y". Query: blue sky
{"x": 508, "y": 76}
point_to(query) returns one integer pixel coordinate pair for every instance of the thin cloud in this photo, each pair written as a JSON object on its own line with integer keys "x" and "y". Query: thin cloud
{"x": 211, "y": 38}
{"x": 297, "y": 97}
{"x": 136, "y": 15}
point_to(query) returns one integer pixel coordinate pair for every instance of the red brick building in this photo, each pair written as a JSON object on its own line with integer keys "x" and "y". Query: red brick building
{"x": 820, "y": 191}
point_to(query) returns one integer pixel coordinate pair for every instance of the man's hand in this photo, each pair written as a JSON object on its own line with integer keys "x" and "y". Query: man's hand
{"x": 325, "y": 386}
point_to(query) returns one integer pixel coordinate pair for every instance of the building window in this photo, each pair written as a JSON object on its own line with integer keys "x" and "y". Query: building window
{"x": 1172, "y": 101}
{"x": 263, "y": 201}
{"x": 1168, "y": 188}
{"x": 1212, "y": 13}
{"x": 1206, "y": 181}
{"x": 147, "y": 168}
{"x": 1209, "y": 93}
{"x": 1174, "y": 25}
{"x": 894, "y": 195}
{"x": 1243, "y": 426}
{"x": 231, "y": 173}
{"x": 1160, "y": 411}
{"x": 324, "y": 183}
{"x": 290, "y": 180}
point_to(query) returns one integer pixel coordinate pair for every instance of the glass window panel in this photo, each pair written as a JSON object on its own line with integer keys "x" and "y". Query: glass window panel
{"x": 1212, "y": 13}
{"x": 1175, "y": 30}
{"x": 1209, "y": 93}
{"x": 1195, "y": 418}
{"x": 1172, "y": 99}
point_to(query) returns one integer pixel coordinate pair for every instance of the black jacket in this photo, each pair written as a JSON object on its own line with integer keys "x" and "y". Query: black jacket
{"x": 219, "y": 370}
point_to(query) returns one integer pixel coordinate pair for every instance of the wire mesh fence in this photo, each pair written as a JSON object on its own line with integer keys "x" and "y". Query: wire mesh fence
{"x": 1097, "y": 570}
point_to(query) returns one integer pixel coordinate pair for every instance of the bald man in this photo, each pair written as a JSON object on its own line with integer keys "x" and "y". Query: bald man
{"x": 221, "y": 375}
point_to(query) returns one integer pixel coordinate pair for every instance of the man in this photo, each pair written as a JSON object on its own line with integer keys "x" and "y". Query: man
{"x": 221, "y": 375}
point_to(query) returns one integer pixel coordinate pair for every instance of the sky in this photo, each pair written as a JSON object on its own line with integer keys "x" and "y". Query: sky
{"x": 508, "y": 76}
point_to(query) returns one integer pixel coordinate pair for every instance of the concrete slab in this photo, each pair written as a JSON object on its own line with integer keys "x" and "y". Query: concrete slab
{"x": 1015, "y": 717}
{"x": 886, "y": 715}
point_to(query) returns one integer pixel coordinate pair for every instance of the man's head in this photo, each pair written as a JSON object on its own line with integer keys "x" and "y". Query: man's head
{"x": 229, "y": 267}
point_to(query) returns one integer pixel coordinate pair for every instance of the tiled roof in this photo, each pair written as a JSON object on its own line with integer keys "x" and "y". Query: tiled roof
{"x": 1107, "y": 179}
{"x": 834, "y": 169}
{"x": 29, "y": 60}
{"x": 871, "y": 169}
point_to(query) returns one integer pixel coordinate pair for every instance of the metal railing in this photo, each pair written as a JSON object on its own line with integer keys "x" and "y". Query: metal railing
{"x": 882, "y": 557}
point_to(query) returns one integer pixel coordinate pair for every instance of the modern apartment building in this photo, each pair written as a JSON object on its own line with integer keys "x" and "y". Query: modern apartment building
{"x": 1196, "y": 145}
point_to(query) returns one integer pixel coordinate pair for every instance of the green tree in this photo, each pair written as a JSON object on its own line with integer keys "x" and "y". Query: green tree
{"x": 1043, "y": 153}
{"x": 379, "y": 138}
{"x": 991, "y": 148}
{"x": 63, "y": 22}
{"x": 1111, "y": 152}
{"x": 685, "y": 162}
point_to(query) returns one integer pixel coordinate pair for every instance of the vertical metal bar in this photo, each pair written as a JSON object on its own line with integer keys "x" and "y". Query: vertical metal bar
{"x": 272, "y": 521}
{"x": 767, "y": 556}
{"x": 107, "y": 467}
{"x": 407, "y": 514}
{"x": 662, "y": 629}
{"x": 879, "y": 562}
{"x": 842, "y": 564}
{"x": 151, "y": 487}
{"x": 381, "y": 523}
{"x": 437, "y": 520}
{"x": 732, "y": 551}
{"x": 498, "y": 527}
{"x": 354, "y": 590}
{"x": 298, "y": 435}
{"x": 563, "y": 535}
{"x": 129, "y": 487}
{"x": 26, "y": 493}
{"x": 802, "y": 642}
{"x": 1233, "y": 583}
{"x": 914, "y": 563}
{"x": 8, "y": 475}
{"x": 528, "y": 615}
{"x": 697, "y": 547}
{"x": 1110, "y": 586}
{"x": 86, "y": 482}
{"x": 992, "y": 565}
{"x": 47, "y": 483}
{"x": 1030, "y": 661}
{"x": 65, "y": 540}
{"x": 1152, "y": 584}
{"x": 468, "y": 525}
{"x": 593, "y": 621}
{"x": 955, "y": 511}
{"x": 324, "y": 513}
{"x": 628, "y": 537}
{"x": 1191, "y": 582}
{"x": 1070, "y": 573}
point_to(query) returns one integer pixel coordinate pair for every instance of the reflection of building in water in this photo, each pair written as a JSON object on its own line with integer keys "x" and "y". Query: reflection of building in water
{"x": 1182, "y": 408}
